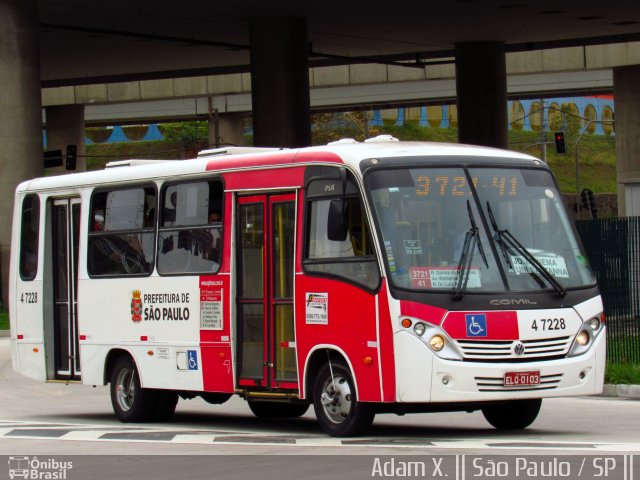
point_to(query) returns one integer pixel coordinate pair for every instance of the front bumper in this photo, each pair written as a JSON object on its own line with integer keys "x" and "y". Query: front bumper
{"x": 432, "y": 379}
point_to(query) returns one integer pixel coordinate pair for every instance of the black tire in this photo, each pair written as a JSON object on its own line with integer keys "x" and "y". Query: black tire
{"x": 215, "y": 398}
{"x": 269, "y": 410}
{"x": 166, "y": 407}
{"x": 512, "y": 415}
{"x": 131, "y": 403}
{"x": 338, "y": 411}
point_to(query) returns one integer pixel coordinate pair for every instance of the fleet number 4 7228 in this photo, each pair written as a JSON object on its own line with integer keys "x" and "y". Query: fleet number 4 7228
{"x": 545, "y": 324}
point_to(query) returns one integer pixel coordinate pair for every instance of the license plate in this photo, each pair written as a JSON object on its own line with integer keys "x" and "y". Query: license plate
{"x": 517, "y": 379}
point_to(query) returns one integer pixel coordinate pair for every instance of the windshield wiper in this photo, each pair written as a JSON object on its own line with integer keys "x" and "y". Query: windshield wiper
{"x": 471, "y": 240}
{"x": 505, "y": 239}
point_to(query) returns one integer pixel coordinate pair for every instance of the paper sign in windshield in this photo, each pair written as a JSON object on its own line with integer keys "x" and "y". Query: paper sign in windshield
{"x": 555, "y": 265}
{"x": 412, "y": 247}
{"x": 442, "y": 277}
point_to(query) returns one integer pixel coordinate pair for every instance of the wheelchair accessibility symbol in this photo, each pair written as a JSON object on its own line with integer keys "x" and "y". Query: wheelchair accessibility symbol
{"x": 192, "y": 356}
{"x": 476, "y": 325}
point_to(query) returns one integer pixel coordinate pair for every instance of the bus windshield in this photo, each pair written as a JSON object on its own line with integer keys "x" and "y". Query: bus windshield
{"x": 470, "y": 230}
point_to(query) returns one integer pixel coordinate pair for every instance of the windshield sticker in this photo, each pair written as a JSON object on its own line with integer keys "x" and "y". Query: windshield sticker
{"x": 392, "y": 263}
{"x": 412, "y": 247}
{"x": 555, "y": 265}
{"x": 442, "y": 277}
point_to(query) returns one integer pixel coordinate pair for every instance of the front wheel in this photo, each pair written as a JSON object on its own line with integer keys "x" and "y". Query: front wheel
{"x": 337, "y": 409}
{"x": 512, "y": 415}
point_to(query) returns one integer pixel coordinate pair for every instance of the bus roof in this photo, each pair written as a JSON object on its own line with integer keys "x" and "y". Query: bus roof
{"x": 346, "y": 151}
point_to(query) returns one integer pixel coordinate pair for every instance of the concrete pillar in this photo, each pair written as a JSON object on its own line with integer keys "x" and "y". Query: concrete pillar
{"x": 20, "y": 113}
{"x": 280, "y": 82}
{"x": 481, "y": 84}
{"x": 626, "y": 91}
{"x": 230, "y": 130}
{"x": 65, "y": 126}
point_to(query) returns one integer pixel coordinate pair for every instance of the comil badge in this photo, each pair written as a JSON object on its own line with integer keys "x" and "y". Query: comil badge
{"x": 136, "y": 306}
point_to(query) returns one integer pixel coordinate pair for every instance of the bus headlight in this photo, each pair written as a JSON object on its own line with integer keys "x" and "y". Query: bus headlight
{"x": 433, "y": 336}
{"x": 582, "y": 338}
{"x": 594, "y": 323}
{"x": 586, "y": 336}
{"x": 437, "y": 343}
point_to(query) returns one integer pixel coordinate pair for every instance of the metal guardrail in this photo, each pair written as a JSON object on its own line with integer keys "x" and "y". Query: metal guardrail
{"x": 613, "y": 248}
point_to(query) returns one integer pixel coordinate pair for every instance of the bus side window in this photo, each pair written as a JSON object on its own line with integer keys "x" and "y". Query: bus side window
{"x": 29, "y": 235}
{"x": 351, "y": 257}
{"x": 190, "y": 233}
{"x": 122, "y": 232}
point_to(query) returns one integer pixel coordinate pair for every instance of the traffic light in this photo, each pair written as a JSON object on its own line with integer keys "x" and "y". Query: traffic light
{"x": 588, "y": 202}
{"x": 584, "y": 202}
{"x": 560, "y": 147}
{"x": 72, "y": 151}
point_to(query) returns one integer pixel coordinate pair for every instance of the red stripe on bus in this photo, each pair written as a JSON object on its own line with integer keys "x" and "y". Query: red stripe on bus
{"x": 500, "y": 325}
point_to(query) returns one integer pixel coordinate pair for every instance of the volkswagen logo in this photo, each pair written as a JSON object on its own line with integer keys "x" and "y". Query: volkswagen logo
{"x": 518, "y": 349}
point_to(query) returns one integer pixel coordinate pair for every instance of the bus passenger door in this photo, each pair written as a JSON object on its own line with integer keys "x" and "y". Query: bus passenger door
{"x": 266, "y": 339}
{"x": 65, "y": 240}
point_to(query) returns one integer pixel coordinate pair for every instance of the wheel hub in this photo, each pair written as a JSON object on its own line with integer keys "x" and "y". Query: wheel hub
{"x": 125, "y": 388}
{"x": 336, "y": 399}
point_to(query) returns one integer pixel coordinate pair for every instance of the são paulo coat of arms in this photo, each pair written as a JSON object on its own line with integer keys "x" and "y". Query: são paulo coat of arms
{"x": 136, "y": 306}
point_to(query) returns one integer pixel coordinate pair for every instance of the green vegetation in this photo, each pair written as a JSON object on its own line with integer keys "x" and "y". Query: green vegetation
{"x": 99, "y": 154}
{"x": 4, "y": 319}
{"x": 596, "y": 153}
{"x": 622, "y": 373}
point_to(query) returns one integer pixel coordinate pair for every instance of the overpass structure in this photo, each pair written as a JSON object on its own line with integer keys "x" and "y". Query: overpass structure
{"x": 90, "y": 62}
{"x": 373, "y": 90}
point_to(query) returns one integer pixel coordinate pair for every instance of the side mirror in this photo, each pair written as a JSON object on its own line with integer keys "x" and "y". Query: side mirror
{"x": 337, "y": 221}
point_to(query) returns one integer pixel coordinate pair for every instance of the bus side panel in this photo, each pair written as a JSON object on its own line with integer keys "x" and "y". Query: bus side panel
{"x": 414, "y": 363}
{"x": 26, "y": 307}
{"x": 349, "y": 324}
{"x": 31, "y": 360}
{"x": 385, "y": 344}
{"x": 29, "y": 334}
{"x": 269, "y": 178}
{"x": 216, "y": 299}
{"x": 164, "y": 339}
{"x": 215, "y": 332}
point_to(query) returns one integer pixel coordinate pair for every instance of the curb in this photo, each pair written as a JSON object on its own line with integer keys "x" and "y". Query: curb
{"x": 621, "y": 391}
{"x": 4, "y": 333}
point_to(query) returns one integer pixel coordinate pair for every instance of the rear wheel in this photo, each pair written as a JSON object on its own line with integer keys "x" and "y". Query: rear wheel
{"x": 512, "y": 415}
{"x": 337, "y": 408}
{"x": 277, "y": 409}
{"x": 166, "y": 407}
{"x": 131, "y": 403}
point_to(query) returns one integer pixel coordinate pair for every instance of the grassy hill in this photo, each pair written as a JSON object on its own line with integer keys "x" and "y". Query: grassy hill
{"x": 596, "y": 153}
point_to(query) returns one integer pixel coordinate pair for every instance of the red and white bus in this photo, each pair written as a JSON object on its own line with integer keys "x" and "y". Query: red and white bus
{"x": 362, "y": 278}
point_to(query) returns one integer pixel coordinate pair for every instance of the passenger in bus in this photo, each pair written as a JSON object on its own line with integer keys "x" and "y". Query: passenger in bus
{"x": 169, "y": 212}
{"x": 29, "y": 266}
{"x": 98, "y": 221}
{"x": 214, "y": 217}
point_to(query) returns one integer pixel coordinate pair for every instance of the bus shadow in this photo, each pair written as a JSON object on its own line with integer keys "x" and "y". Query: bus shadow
{"x": 306, "y": 427}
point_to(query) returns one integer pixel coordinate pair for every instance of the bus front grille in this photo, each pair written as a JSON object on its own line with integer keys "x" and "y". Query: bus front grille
{"x": 519, "y": 350}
